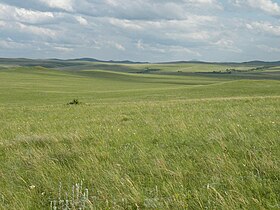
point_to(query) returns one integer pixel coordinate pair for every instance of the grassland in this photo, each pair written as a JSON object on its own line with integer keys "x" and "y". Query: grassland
{"x": 175, "y": 138}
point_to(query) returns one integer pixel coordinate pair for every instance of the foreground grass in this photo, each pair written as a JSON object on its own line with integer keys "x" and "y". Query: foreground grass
{"x": 211, "y": 146}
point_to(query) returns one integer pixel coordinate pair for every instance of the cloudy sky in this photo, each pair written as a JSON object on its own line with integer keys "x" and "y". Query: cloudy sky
{"x": 141, "y": 30}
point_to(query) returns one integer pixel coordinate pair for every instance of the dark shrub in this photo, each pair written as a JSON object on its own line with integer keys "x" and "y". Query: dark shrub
{"x": 74, "y": 102}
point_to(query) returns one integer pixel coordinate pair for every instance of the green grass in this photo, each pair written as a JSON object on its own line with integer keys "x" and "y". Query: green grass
{"x": 139, "y": 141}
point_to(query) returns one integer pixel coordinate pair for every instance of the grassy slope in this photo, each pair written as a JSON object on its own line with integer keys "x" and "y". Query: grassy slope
{"x": 150, "y": 141}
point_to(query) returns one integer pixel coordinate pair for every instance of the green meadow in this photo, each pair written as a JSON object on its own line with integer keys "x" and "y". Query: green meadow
{"x": 143, "y": 136}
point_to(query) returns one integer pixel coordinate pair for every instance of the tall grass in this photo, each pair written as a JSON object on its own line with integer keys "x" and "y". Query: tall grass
{"x": 203, "y": 147}
{"x": 203, "y": 154}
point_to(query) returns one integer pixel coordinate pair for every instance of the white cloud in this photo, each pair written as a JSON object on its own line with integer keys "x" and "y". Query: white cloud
{"x": 81, "y": 20}
{"x": 269, "y": 49}
{"x": 183, "y": 50}
{"x": 2, "y": 23}
{"x": 202, "y": 1}
{"x": 149, "y": 48}
{"x": 264, "y": 27}
{"x": 208, "y": 3}
{"x": 237, "y": 3}
{"x": 227, "y": 45}
{"x": 23, "y": 15}
{"x": 141, "y": 29}
{"x": 113, "y": 3}
{"x": 39, "y": 31}
{"x": 119, "y": 47}
{"x": 115, "y": 45}
{"x": 10, "y": 44}
{"x": 166, "y": 49}
{"x": 156, "y": 9}
{"x": 265, "y": 5}
{"x": 63, "y": 49}
{"x": 201, "y": 35}
{"x": 32, "y": 16}
{"x": 126, "y": 24}
{"x": 192, "y": 21}
{"x": 66, "y": 5}
{"x": 140, "y": 45}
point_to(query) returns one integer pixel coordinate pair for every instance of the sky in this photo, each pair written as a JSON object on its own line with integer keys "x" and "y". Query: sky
{"x": 141, "y": 30}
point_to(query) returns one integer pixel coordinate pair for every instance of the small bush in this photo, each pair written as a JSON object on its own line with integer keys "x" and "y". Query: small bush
{"x": 74, "y": 102}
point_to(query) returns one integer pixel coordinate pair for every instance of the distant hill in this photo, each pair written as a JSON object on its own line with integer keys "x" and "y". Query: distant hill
{"x": 248, "y": 63}
{"x": 56, "y": 63}
{"x": 85, "y": 59}
{"x": 185, "y": 62}
{"x": 262, "y": 63}
{"x": 104, "y": 61}
{"x": 47, "y": 63}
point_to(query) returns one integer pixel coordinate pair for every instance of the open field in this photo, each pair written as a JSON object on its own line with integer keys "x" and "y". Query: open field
{"x": 177, "y": 137}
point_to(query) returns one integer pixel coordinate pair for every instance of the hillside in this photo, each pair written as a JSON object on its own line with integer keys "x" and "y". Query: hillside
{"x": 149, "y": 140}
